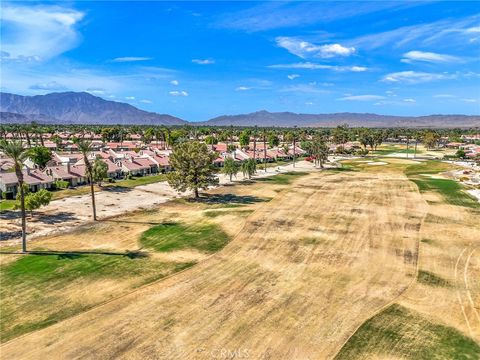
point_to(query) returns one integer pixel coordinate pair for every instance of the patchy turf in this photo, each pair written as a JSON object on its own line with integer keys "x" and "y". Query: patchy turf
{"x": 217, "y": 213}
{"x": 7, "y": 205}
{"x": 400, "y": 332}
{"x": 283, "y": 179}
{"x": 165, "y": 237}
{"x": 431, "y": 279}
{"x": 36, "y": 289}
{"x": 451, "y": 191}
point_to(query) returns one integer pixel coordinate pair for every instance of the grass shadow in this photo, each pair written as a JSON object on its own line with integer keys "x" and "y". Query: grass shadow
{"x": 214, "y": 199}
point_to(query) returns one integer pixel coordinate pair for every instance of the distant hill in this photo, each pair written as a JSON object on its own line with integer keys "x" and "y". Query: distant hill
{"x": 78, "y": 108}
{"x": 289, "y": 119}
{"x": 84, "y": 108}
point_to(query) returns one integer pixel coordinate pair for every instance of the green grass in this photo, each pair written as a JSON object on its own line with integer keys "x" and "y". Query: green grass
{"x": 144, "y": 180}
{"x": 204, "y": 237}
{"x": 450, "y": 190}
{"x": 431, "y": 279}
{"x": 7, "y": 205}
{"x": 388, "y": 151}
{"x": 403, "y": 333}
{"x": 283, "y": 179}
{"x": 36, "y": 289}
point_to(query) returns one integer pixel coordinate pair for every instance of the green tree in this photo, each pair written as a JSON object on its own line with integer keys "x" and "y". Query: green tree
{"x": 18, "y": 153}
{"x": 244, "y": 138}
{"x": 193, "y": 167}
{"x": 461, "y": 154}
{"x": 273, "y": 140}
{"x": 319, "y": 150}
{"x": 211, "y": 140}
{"x": 34, "y": 201}
{"x": 85, "y": 147}
{"x": 61, "y": 184}
{"x": 99, "y": 171}
{"x": 249, "y": 168}
{"x": 430, "y": 139}
{"x": 40, "y": 155}
{"x": 231, "y": 167}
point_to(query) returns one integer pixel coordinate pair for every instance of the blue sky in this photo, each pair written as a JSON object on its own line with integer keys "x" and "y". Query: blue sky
{"x": 197, "y": 60}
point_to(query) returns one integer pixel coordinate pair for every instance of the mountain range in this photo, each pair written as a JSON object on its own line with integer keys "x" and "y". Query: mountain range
{"x": 85, "y": 108}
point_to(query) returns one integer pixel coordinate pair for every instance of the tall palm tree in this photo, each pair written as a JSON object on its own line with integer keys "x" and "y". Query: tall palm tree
{"x": 85, "y": 147}
{"x": 18, "y": 153}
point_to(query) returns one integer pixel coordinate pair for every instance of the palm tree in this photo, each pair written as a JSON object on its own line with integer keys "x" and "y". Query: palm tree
{"x": 85, "y": 147}
{"x": 18, "y": 153}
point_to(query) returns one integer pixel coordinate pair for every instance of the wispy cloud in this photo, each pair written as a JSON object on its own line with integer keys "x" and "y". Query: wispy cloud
{"x": 457, "y": 32}
{"x": 315, "y": 66}
{"x": 293, "y": 76}
{"x": 145, "y": 101}
{"x": 96, "y": 91}
{"x": 37, "y": 32}
{"x": 178, "y": 93}
{"x": 276, "y": 15}
{"x": 415, "y": 77}
{"x": 305, "y": 49}
{"x": 362, "y": 98}
{"x": 129, "y": 97}
{"x": 428, "y": 57}
{"x": 310, "y": 88}
{"x": 50, "y": 86}
{"x": 243, "y": 88}
{"x": 203, "y": 61}
{"x": 410, "y": 100}
{"x": 131, "y": 59}
{"x": 174, "y": 82}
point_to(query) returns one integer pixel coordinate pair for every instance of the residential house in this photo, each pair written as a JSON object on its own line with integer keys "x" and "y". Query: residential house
{"x": 35, "y": 180}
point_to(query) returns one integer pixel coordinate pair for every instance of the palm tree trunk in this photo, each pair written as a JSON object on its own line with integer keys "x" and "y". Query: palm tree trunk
{"x": 24, "y": 218}
{"x": 265, "y": 151}
{"x": 92, "y": 190}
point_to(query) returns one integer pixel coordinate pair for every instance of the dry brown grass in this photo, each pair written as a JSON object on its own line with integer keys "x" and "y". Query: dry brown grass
{"x": 304, "y": 272}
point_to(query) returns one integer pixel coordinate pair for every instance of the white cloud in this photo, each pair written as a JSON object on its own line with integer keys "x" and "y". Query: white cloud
{"x": 242, "y": 88}
{"x": 444, "y": 96}
{"x": 203, "y": 61}
{"x": 475, "y": 29}
{"x": 470, "y": 100}
{"x": 178, "y": 93}
{"x": 305, "y": 49}
{"x": 174, "y": 82}
{"x": 314, "y": 66}
{"x": 454, "y": 32}
{"x": 37, "y": 32}
{"x": 275, "y": 14}
{"x": 415, "y": 77}
{"x": 309, "y": 103}
{"x": 96, "y": 91}
{"x": 129, "y": 97}
{"x": 145, "y": 101}
{"x": 362, "y": 97}
{"x": 50, "y": 86}
{"x": 356, "y": 68}
{"x": 428, "y": 57}
{"x": 409, "y": 100}
{"x": 131, "y": 59}
{"x": 304, "y": 88}
{"x": 293, "y": 76}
